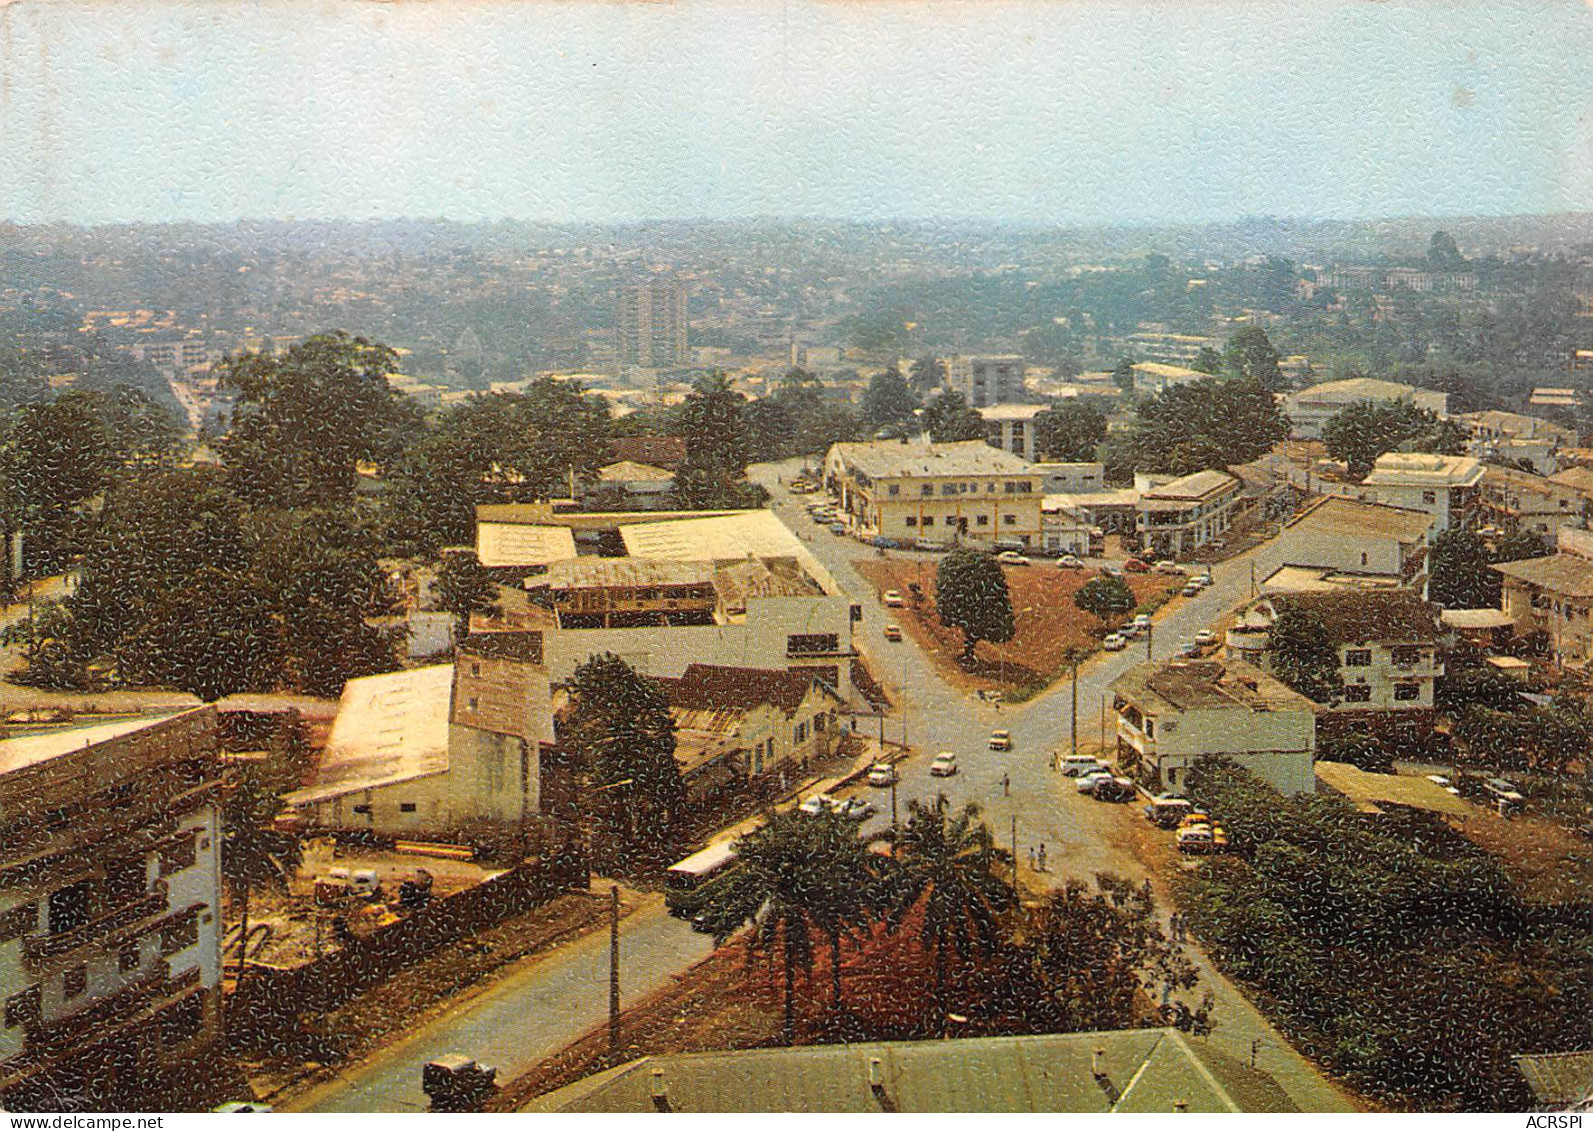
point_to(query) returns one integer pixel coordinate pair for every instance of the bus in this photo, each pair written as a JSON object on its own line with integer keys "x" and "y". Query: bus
{"x": 697, "y": 869}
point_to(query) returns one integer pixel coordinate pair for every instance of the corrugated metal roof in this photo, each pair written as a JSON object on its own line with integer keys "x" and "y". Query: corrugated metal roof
{"x": 389, "y": 728}
{"x": 1148, "y": 1069}
{"x": 512, "y": 544}
{"x": 892, "y": 459}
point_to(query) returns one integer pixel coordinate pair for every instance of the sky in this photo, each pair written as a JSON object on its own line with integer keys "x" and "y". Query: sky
{"x": 1069, "y": 112}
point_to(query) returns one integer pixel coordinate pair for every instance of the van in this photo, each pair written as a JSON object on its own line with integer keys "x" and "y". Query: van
{"x": 1075, "y": 764}
{"x": 1166, "y": 812}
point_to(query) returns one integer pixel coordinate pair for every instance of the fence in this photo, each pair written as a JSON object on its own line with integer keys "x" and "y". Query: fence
{"x": 273, "y": 996}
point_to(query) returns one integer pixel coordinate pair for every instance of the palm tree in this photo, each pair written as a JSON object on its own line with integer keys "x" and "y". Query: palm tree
{"x": 253, "y": 850}
{"x": 951, "y": 866}
{"x": 795, "y": 874}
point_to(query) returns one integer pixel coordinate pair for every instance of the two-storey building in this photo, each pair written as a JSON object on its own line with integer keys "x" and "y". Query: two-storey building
{"x": 1389, "y": 660}
{"x": 1519, "y": 502}
{"x": 1169, "y": 715}
{"x": 110, "y": 906}
{"x": 1179, "y": 517}
{"x": 1551, "y": 598}
{"x": 957, "y": 492}
{"x": 1446, "y": 487}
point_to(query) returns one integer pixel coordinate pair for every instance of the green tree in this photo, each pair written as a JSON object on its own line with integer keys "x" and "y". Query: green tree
{"x": 1362, "y": 751}
{"x": 1208, "y": 360}
{"x": 950, "y": 871}
{"x": 927, "y": 377}
{"x": 1249, "y": 353}
{"x": 1459, "y": 577}
{"x": 22, "y": 379}
{"x": 1302, "y": 655}
{"x": 1205, "y": 424}
{"x": 1123, "y": 374}
{"x": 623, "y": 737}
{"x": 889, "y": 402}
{"x": 254, "y": 853}
{"x": 306, "y": 418}
{"x": 1361, "y": 432}
{"x": 141, "y": 434}
{"x": 464, "y": 586}
{"x": 1519, "y": 546}
{"x": 1107, "y": 599}
{"x": 796, "y": 875}
{"x": 712, "y": 420}
{"x": 971, "y": 596}
{"x": 948, "y": 419}
{"x": 1071, "y": 433}
{"x": 1443, "y": 254}
{"x": 54, "y": 457}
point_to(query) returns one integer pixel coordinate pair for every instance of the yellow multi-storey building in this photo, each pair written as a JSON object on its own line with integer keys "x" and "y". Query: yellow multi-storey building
{"x": 966, "y": 492}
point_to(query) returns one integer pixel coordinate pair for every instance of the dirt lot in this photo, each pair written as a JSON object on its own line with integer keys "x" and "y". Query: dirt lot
{"x": 1048, "y": 622}
{"x": 1551, "y": 864}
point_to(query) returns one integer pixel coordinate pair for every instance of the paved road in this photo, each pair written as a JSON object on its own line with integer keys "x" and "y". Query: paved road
{"x": 537, "y": 1008}
{"x": 1082, "y": 836}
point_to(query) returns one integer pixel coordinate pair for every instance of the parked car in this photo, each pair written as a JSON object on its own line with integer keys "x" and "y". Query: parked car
{"x": 1205, "y": 638}
{"x": 881, "y": 774}
{"x": 1069, "y": 561}
{"x": 1167, "y": 565}
{"x": 1073, "y": 765}
{"x": 893, "y": 632}
{"x": 1113, "y": 789}
{"x": 1197, "y": 841}
{"x": 1166, "y": 811}
{"x": 1147, "y": 555}
{"x": 856, "y": 809}
{"x": 1188, "y": 648}
{"x": 1000, "y": 740}
{"x": 1193, "y": 819}
{"x": 1502, "y": 790}
{"x": 944, "y": 765}
{"x": 880, "y": 542}
{"x": 1142, "y": 620}
{"x": 1193, "y": 589}
{"x": 837, "y": 528}
{"x": 1087, "y": 781}
{"x": 1201, "y": 579}
{"x": 1006, "y": 545}
{"x": 1132, "y": 631}
{"x": 893, "y": 599}
{"x": 1111, "y": 571}
{"x": 1136, "y": 565}
{"x": 818, "y": 803}
{"x": 929, "y": 545}
{"x": 1115, "y": 642}
{"x": 1012, "y": 558}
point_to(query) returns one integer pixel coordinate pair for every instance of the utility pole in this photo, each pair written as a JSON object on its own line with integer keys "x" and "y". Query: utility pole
{"x": 1074, "y": 717}
{"x": 1014, "y": 848}
{"x": 613, "y": 969}
{"x": 1149, "y": 632}
{"x": 893, "y": 798}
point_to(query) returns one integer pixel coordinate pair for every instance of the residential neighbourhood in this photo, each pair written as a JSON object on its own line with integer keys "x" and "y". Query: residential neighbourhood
{"x": 873, "y": 596}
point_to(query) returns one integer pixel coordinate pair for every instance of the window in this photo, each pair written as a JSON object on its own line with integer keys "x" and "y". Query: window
{"x": 982, "y": 520}
{"x": 127, "y": 961}
{"x": 948, "y": 488}
{"x": 18, "y": 921}
{"x": 1150, "y": 728}
{"x": 818, "y": 724}
{"x": 811, "y": 643}
{"x": 801, "y": 734}
{"x": 912, "y": 520}
{"x": 475, "y": 669}
{"x": 1407, "y": 692}
{"x": 74, "y": 982}
{"x": 179, "y": 854}
{"x": 893, "y": 490}
{"x": 927, "y": 489}
{"x": 1009, "y": 520}
{"x": 929, "y": 520}
{"x": 23, "y": 1008}
{"x": 406, "y": 806}
{"x": 473, "y": 704}
{"x": 363, "y": 810}
{"x": 1406, "y": 654}
{"x": 179, "y": 935}
{"x": 69, "y": 907}
{"x": 1357, "y": 693}
{"x": 1358, "y": 658}
{"x": 1429, "y": 496}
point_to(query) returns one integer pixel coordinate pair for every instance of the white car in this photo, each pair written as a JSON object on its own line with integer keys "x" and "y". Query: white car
{"x": 818, "y": 803}
{"x": 882, "y": 774}
{"x": 893, "y": 599}
{"x": 855, "y": 809}
{"x": 1077, "y": 766}
{"x": 1167, "y": 565}
{"x": 1069, "y": 561}
{"x": 1205, "y": 637}
{"x": 1087, "y": 781}
{"x": 1012, "y": 558}
{"x": 1116, "y": 642}
{"x": 1201, "y": 579}
{"x": 944, "y": 765}
{"x": 1000, "y": 740}
{"x": 1188, "y": 648}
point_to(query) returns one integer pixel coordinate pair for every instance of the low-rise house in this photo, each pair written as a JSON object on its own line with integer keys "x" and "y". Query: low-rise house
{"x": 110, "y": 903}
{"x": 1511, "y": 438}
{"x": 1389, "y": 658}
{"x": 593, "y": 592}
{"x": 1310, "y": 409}
{"x": 1127, "y": 1070}
{"x": 954, "y": 492}
{"x": 1064, "y": 531}
{"x": 1359, "y": 539}
{"x": 1519, "y": 502}
{"x": 630, "y": 486}
{"x": 1171, "y": 714}
{"x": 440, "y": 751}
{"x": 1179, "y": 517}
{"x": 1152, "y": 378}
{"x": 1551, "y": 597}
{"x": 1446, "y": 487}
{"x": 745, "y": 726}
{"x": 1072, "y": 478}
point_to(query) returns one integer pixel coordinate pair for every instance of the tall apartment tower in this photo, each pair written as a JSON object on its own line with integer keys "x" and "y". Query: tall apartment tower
{"x": 985, "y": 381}
{"x": 650, "y": 325}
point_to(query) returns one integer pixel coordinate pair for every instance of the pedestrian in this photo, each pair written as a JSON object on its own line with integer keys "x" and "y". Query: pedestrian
{"x": 1042, "y": 856}
{"x": 1006, "y": 786}
{"x": 1032, "y": 868}
{"x": 1172, "y": 926}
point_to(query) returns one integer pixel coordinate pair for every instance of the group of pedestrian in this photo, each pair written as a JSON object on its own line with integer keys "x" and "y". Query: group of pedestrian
{"x": 1037, "y": 858}
{"x": 1179, "y": 926}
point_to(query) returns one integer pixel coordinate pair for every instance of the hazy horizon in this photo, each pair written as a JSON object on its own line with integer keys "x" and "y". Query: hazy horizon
{"x": 1106, "y": 114}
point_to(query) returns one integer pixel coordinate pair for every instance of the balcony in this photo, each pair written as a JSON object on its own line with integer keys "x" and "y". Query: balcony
{"x": 39, "y": 948}
{"x": 1135, "y": 737}
{"x": 89, "y": 1026}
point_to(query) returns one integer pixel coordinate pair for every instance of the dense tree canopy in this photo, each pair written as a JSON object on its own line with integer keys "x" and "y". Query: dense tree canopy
{"x": 947, "y": 419}
{"x": 1105, "y": 598}
{"x": 1070, "y": 433}
{"x": 1458, "y": 574}
{"x": 971, "y": 596}
{"x": 1249, "y": 354}
{"x": 713, "y": 421}
{"x": 889, "y": 402}
{"x": 1367, "y": 429}
{"x": 1303, "y": 656}
{"x": 1205, "y": 424}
